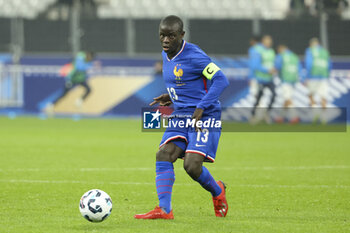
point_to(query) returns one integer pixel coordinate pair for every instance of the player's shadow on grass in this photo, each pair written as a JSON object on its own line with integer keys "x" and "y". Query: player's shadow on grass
{"x": 93, "y": 227}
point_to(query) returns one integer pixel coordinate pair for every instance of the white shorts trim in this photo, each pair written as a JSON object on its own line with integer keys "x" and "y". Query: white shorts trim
{"x": 172, "y": 138}
{"x": 201, "y": 153}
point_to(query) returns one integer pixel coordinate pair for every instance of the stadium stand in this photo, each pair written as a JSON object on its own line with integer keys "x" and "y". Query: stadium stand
{"x": 219, "y": 9}
{"x": 152, "y": 9}
{"x": 28, "y": 9}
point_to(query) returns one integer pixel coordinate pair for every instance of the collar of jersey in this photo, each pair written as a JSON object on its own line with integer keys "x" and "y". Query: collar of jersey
{"x": 182, "y": 48}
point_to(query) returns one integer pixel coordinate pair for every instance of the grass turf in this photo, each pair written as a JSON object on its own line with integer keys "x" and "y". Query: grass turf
{"x": 277, "y": 182}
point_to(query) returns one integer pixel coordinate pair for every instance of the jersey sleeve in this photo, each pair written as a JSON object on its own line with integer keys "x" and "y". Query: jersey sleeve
{"x": 251, "y": 53}
{"x": 199, "y": 61}
{"x": 204, "y": 66}
{"x": 278, "y": 62}
{"x": 219, "y": 83}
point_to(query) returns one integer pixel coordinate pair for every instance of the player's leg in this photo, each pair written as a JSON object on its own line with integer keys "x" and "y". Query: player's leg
{"x": 323, "y": 92}
{"x": 165, "y": 176}
{"x": 272, "y": 88}
{"x": 67, "y": 87}
{"x": 87, "y": 90}
{"x": 312, "y": 86}
{"x": 193, "y": 165}
{"x": 253, "y": 87}
{"x": 287, "y": 103}
{"x": 292, "y": 112}
{"x": 287, "y": 95}
{"x": 258, "y": 97}
{"x": 79, "y": 101}
{"x": 312, "y": 101}
{"x": 171, "y": 147}
{"x": 324, "y": 103}
{"x": 201, "y": 148}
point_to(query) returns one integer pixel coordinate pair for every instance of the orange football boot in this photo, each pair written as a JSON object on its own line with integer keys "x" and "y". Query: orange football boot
{"x": 220, "y": 203}
{"x": 157, "y": 213}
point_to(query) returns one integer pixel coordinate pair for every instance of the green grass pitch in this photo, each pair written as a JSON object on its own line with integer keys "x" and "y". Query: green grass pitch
{"x": 277, "y": 182}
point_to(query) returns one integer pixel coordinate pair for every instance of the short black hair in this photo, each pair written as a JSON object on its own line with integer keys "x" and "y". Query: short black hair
{"x": 256, "y": 38}
{"x": 314, "y": 40}
{"x": 173, "y": 19}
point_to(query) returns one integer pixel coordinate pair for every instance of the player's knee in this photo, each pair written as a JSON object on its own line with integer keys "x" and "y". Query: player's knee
{"x": 161, "y": 155}
{"x": 193, "y": 169}
{"x": 164, "y": 154}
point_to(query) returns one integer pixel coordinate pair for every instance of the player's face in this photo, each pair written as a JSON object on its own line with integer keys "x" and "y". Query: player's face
{"x": 267, "y": 41}
{"x": 170, "y": 37}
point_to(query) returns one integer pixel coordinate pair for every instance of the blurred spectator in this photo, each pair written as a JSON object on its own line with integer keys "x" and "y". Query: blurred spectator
{"x": 289, "y": 70}
{"x": 254, "y": 43}
{"x": 76, "y": 76}
{"x": 264, "y": 71}
{"x": 318, "y": 65}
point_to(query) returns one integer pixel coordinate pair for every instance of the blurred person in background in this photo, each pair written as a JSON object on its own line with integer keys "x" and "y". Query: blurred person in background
{"x": 75, "y": 74}
{"x": 289, "y": 70}
{"x": 318, "y": 65}
{"x": 254, "y": 43}
{"x": 263, "y": 70}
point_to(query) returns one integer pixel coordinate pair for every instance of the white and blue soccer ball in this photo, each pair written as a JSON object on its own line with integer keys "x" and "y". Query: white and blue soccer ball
{"x": 95, "y": 205}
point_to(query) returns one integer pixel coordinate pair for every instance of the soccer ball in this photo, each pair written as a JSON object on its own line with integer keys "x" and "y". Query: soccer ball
{"x": 95, "y": 205}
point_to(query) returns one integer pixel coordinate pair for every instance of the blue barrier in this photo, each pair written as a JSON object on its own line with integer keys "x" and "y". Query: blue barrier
{"x": 41, "y": 89}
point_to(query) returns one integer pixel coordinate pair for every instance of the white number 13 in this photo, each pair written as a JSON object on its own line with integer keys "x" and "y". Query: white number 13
{"x": 172, "y": 93}
{"x": 204, "y": 138}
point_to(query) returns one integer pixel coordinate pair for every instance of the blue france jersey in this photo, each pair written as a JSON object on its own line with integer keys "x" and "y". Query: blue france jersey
{"x": 184, "y": 79}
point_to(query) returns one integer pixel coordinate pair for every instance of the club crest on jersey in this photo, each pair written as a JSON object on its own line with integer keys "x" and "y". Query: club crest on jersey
{"x": 178, "y": 72}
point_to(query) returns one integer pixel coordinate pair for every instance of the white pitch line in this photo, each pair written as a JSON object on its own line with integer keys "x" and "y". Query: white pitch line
{"x": 298, "y": 186}
{"x": 117, "y": 169}
{"x": 287, "y": 168}
{"x": 321, "y": 167}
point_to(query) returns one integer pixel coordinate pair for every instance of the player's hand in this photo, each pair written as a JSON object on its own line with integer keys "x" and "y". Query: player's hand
{"x": 197, "y": 115}
{"x": 163, "y": 100}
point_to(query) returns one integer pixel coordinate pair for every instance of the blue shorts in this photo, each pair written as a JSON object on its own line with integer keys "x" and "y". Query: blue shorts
{"x": 204, "y": 143}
